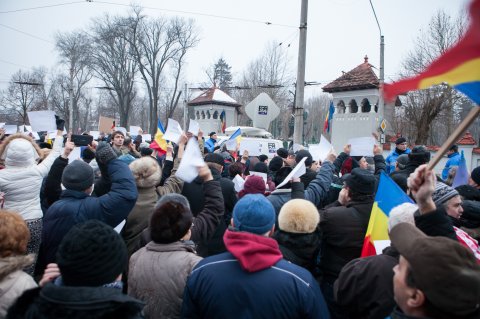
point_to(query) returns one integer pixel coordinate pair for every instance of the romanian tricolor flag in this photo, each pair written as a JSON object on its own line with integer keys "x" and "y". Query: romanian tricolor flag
{"x": 459, "y": 66}
{"x": 328, "y": 118}
{"x": 388, "y": 196}
{"x": 159, "y": 144}
{"x": 223, "y": 121}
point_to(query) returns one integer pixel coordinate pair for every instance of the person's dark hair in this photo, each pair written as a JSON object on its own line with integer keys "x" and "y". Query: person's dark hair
{"x": 453, "y": 148}
{"x": 281, "y": 174}
{"x": 260, "y": 167}
{"x": 262, "y": 157}
{"x": 146, "y": 151}
{"x": 45, "y": 145}
{"x": 88, "y": 155}
{"x": 235, "y": 168}
{"x": 171, "y": 219}
{"x": 127, "y": 141}
{"x": 116, "y": 133}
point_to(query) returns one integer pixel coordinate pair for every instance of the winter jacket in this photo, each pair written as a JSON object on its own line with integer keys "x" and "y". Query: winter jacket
{"x": 316, "y": 192}
{"x": 13, "y": 280}
{"x": 391, "y": 159}
{"x": 343, "y": 232}
{"x": 53, "y": 188}
{"x": 453, "y": 160}
{"x": 22, "y": 178}
{"x": 62, "y": 302}
{"x": 75, "y": 207}
{"x": 194, "y": 193}
{"x": 300, "y": 249}
{"x": 251, "y": 280}
{"x": 364, "y": 288}
{"x": 157, "y": 276}
{"x": 210, "y": 145}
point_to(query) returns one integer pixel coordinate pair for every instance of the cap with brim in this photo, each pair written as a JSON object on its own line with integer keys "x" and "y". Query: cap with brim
{"x": 446, "y": 272}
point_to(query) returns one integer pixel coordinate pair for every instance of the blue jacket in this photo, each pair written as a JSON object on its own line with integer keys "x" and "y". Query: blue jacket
{"x": 75, "y": 207}
{"x": 392, "y": 159}
{"x": 252, "y": 280}
{"x": 453, "y": 160}
{"x": 316, "y": 192}
{"x": 210, "y": 145}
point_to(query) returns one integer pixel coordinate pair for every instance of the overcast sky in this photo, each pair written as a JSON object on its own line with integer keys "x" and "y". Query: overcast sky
{"x": 340, "y": 32}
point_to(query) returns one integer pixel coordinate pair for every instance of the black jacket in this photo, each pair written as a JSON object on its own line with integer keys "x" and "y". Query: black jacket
{"x": 75, "y": 302}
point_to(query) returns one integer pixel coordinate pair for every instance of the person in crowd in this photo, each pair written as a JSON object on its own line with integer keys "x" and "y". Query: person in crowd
{"x": 316, "y": 165}
{"x": 470, "y": 219}
{"x": 117, "y": 139}
{"x": 276, "y": 163}
{"x": 299, "y": 236}
{"x": 401, "y": 163}
{"x": 345, "y": 163}
{"x": 86, "y": 283}
{"x": 290, "y": 159}
{"x": 263, "y": 158}
{"x": 211, "y": 143}
{"x": 193, "y": 191}
{"x": 14, "y": 236}
{"x": 158, "y": 272}
{"x": 418, "y": 156}
{"x": 474, "y": 179}
{"x": 22, "y": 178}
{"x": 310, "y": 174}
{"x": 453, "y": 161}
{"x": 435, "y": 278}
{"x": 282, "y": 152}
{"x": 130, "y": 145}
{"x": 76, "y": 205}
{"x": 235, "y": 169}
{"x": 251, "y": 279}
{"x": 261, "y": 167}
{"x": 253, "y": 185}
{"x": 400, "y": 148}
{"x": 343, "y": 225}
{"x": 316, "y": 192}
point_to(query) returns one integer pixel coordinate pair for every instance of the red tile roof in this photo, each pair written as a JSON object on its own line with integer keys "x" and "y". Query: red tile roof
{"x": 476, "y": 150}
{"x": 467, "y": 139}
{"x": 214, "y": 96}
{"x": 361, "y": 77}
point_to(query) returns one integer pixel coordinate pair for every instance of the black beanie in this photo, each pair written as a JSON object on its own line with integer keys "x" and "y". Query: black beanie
{"x": 260, "y": 167}
{"x": 275, "y": 164}
{"x": 282, "y": 152}
{"x": 361, "y": 181}
{"x": 77, "y": 176}
{"x": 400, "y": 140}
{"x": 169, "y": 222}
{"x": 91, "y": 254}
{"x": 304, "y": 153}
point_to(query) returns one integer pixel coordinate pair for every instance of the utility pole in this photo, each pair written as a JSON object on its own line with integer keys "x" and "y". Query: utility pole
{"x": 300, "y": 86}
{"x": 185, "y": 108}
{"x": 70, "y": 109}
{"x": 381, "y": 80}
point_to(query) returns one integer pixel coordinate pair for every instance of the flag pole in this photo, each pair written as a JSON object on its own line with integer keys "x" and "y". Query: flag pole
{"x": 462, "y": 127}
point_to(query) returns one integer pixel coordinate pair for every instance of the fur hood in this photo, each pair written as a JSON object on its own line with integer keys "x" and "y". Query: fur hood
{"x": 298, "y": 216}
{"x": 146, "y": 171}
{"x": 19, "y": 150}
{"x": 14, "y": 263}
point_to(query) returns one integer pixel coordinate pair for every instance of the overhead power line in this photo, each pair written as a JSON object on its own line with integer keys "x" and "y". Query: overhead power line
{"x": 42, "y": 7}
{"x": 26, "y": 33}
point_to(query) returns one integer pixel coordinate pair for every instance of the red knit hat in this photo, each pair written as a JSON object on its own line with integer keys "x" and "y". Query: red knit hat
{"x": 253, "y": 185}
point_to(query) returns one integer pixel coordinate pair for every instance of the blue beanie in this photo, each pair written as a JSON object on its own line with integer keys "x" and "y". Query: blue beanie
{"x": 254, "y": 214}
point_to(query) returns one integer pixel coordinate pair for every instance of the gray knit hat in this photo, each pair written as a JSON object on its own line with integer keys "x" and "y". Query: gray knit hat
{"x": 77, "y": 176}
{"x": 443, "y": 193}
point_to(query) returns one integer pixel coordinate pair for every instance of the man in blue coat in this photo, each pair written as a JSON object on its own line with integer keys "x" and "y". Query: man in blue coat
{"x": 77, "y": 206}
{"x": 453, "y": 160}
{"x": 400, "y": 148}
{"x": 251, "y": 280}
{"x": 211, "y": 143}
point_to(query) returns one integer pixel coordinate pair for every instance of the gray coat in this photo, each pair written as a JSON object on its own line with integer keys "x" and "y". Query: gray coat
{"x": 157, "y": 276}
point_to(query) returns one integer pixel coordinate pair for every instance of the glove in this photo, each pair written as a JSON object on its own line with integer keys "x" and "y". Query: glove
{"x": 104, "y": 153}
{"x": 60, "y": 123}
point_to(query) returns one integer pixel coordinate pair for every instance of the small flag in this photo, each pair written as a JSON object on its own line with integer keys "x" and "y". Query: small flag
{"x": 236, "y": 134}
{"x": 388, "y": 196}
{"x": 461, "y": 177}
{"x": 159, "y": 143}
{"x": 223, "y": 121}
{"x": 459, "y": 66}
{"x": 328, "y": 118}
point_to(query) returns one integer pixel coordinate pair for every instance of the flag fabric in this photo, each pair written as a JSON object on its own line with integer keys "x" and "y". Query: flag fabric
{"x": 461, "y": 177}
{"x": 223, "y": 121}
{"x": 159, "y": 144}
{"x": 236, "y": 134}
{"x": 328, "y": 118}
{"x": 389, "y": 195}
{"x": 459, "y": 66}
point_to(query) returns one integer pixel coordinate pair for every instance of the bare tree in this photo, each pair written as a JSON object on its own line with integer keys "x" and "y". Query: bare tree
{"x": 424, "y": 108}
{"x": 158, "y": 44}
{"x": 74, "y": 49}
{"x": 114, "y": 63}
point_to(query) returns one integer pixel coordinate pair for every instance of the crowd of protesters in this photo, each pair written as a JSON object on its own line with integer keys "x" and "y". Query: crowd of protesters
{"x": 116, "y": 234}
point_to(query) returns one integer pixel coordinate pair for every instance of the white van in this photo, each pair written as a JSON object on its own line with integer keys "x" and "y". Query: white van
{"x": 256, "y": 141}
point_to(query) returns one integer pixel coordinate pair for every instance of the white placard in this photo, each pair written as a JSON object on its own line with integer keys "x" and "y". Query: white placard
{"x": 2, "y": 125}
{"x": 95, "y": 134}
{"x": 297, "y": 147}
{"x": 135, "y": 130}
{"x": 191, "y": 160}
{"x": 320, "y": 151}
{"x": 42, "y": 121}
{"x": 262, "y": 175}
{"x": 121, "y": 129}
{"x": 361, "y": 146}
{"x": 238, "y": 183}
{"x": 254, "y": 148}
{"x": 119, "y": 227}
{"x": 193, "y": 127}
{"x": 146, "y": 137}
{"x": 25, "y": 128}
{"x": 174, "y": 131}
{"x": 75, "y": 154}
{"x": 10, "y": 129}
{"x": 297, "y": 171}
{"x": 231, "y": 145}
{"x": 380, "y": 245}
